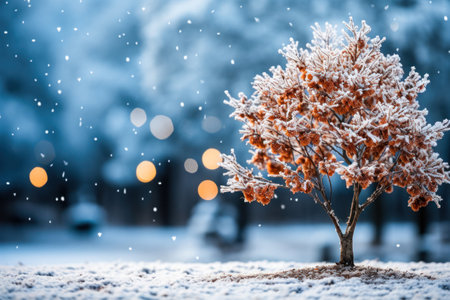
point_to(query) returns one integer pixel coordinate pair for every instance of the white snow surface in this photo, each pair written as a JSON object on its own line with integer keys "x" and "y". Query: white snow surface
{"x": 156, "y": 280}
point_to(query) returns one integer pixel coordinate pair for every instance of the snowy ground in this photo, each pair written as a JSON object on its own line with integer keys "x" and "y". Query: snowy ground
{"x": 155, "y": 262}
{"x": 232, "y": 280}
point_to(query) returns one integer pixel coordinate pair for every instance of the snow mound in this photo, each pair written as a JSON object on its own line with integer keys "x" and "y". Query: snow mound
{"x": 366, "y": 274}
{"x": 233, "y": 280}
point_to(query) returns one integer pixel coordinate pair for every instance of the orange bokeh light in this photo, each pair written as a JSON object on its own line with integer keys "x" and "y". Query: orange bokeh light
{"x": 38, "y": 177}
{"x": 145, "y": 171}
{"x": 211, "y": 158}
{"x": 207, "y": 190}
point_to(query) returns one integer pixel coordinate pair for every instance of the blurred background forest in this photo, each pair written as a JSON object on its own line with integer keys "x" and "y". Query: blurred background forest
{"x": 89, "y": 89}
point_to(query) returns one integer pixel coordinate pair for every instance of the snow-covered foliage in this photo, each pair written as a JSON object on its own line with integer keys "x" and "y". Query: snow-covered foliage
{"x": 339, "y": 106}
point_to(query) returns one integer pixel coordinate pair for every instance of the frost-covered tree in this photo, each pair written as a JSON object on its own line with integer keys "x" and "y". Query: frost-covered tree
{"x": 338, "y": 107}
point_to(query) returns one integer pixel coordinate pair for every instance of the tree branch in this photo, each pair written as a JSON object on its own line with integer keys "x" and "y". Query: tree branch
{"x": 354, "y": 209}
{"x": 378, "y": 191}
{"x": 327, "y": 208}
{"x": 342, "y": 154}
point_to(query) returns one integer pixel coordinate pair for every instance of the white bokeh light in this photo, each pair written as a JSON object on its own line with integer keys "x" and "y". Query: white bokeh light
{"x": 161, "y": 127}
{"x": 190, "y": 165}
{"x": 138, "y": 117}
{"x": 211, "y": 124}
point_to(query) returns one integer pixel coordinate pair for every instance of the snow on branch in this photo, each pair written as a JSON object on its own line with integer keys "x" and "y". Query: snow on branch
{"x": 254, "y": 187}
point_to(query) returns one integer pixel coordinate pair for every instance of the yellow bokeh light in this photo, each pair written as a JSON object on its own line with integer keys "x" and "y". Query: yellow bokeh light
{"x": 145, "y": 171}
{"x": 38, "y": 177}
{"x": 211, "y": 158}
{"x": 207, "y": 190}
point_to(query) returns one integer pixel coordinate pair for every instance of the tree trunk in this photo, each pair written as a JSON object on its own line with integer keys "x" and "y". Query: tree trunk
{"x": 346, "y": 258}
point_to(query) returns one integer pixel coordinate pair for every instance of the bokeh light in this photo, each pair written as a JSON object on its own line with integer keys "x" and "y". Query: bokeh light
{"x": 161, "y": 127}
{"x": 211, "y": 124}
{"x": 190, "y": 165}
{"x": 138, "y": 117}
{"x": 145, "y": 171}
{"x": 207, "y": 189}
{"x": 38, "y": 177}
{"x": 211, "y": 158}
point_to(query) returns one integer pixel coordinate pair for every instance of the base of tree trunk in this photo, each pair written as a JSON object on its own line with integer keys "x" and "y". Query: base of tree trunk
{"x": 346, "y": 258}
